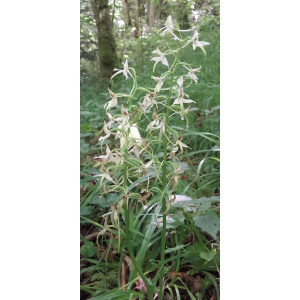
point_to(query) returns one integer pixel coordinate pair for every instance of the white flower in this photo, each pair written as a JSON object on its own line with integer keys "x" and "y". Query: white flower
{"x": 151, "y": 124}
{"x": 125, "y": 116}
{"x": 161, "y": 127}
{"x": 148, "y": 102}
{"x": 113, "y": 102}
{"x": 144, "y": 169}
{"x": 105, "y": 174}
{"x": 197, "y": 43}
{"x": 180, "y": 143}
{"x": 134, "y": 136}
{"x": 154, "y": 122}
{"x": 116, "y": 158}
{"x": 124, "y": 71}
{"x": 191, "y": 73}
{"x": 106, "y": 131}
{"x": 179, "y": 87}
{"x": 159, "y": 83}
{"x": 172, "y": 154}
{"x": 161, "y": 58}
{"x": 169, "y": 27}
{"x": 180, "y": 101}
{"x": 135, "y": 150}
{"x": 111, "y": 120}
{"x": 106, "y": 157}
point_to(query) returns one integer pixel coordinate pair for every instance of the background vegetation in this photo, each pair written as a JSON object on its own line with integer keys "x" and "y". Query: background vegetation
{"x": 191, "y": 267}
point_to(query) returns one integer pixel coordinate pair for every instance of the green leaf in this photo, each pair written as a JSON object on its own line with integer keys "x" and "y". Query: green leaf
{"x": 174, "y": 249}
{"x": 98, "y": 200}
{"x": 86, "y": 250}
{"x": 87, "y": 210}
{"x": 208, "y": 222}
{"x": 208, "y": 255}
{"x": 194, "y": 250}
{"x": 136, "y": 232}
{"x": 172, "y": 222}
{"x": 201, "y": 204}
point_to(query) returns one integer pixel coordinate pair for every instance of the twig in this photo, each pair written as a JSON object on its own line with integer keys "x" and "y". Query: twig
{"x": 94, "y": 235}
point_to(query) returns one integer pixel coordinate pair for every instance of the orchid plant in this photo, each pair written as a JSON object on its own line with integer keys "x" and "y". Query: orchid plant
{"x": 135, "y": 161}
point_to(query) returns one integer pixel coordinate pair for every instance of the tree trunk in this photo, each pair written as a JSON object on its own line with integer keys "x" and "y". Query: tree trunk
{"x": 137, "y": 15}
{"x": 158, "y": 11}
{"x": 113, "y": 15}
{"x": 152, "y": 15}
{"x": 148, "y": 11}
{"x": 126, "y": 13}
{"x": 106, "y": 42}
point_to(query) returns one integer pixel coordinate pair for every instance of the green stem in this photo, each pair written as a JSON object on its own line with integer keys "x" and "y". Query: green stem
{"x": 164, "y": 169}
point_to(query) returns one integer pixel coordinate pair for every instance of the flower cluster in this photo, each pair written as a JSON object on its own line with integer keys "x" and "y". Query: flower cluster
{"x": 137, "y": 156}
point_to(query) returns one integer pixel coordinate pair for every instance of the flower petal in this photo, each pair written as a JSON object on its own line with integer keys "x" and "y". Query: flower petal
{"x": 187, "y": 101}
{"x": 120, "y": 71}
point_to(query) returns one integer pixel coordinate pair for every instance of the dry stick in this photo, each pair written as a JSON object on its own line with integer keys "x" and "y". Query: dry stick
{"x": 123, "y": 279}
{"x": 94, "y": 235}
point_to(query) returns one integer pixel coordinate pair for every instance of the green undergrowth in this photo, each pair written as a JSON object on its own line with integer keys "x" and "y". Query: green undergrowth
{"x": 193, "y": 237}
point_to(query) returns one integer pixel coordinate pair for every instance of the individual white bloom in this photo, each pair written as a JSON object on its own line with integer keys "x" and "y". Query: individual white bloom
{"x": 197, "y": 43}
{"x": 178, "y": 87}
{"x": 159, "y": 83}
{"x": 134, "y": 136}
{"x": 161, "y": 58}
{"x": 105, "y": 174}
{"x": 116, "y": 158}
{"x": 191, "y": 73}
{"x": 180, "y": 143}
{"x": 172, "y": 154}
{"x": 135, "y": 151}
{"x": 180, "y": 99}
{"x": 174, "y": 182}
{"x": 125, "y": 116}
{"x": 111, "y": 120}
{"x": 154, "y": 122}
{"x": 113, "y": 102}
{"x": 148, "y": 102}
{"x": 160, "y": 126}
{"x": 124, "y": 71}
{"x": 169, "y": 27}
{"x": 144, "y": 169}
{"x": 106, "y": 131}
{"x": 108, "y": 157}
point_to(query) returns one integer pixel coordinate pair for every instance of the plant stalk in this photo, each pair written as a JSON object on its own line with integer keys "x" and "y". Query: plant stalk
{"x": 164, "y": 169}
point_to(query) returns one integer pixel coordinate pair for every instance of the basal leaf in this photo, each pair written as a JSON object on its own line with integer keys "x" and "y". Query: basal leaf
{"x": 208, "y": 222}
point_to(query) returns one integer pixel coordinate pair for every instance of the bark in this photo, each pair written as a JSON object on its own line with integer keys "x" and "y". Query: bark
{"x": 106, "y": 43}
{"x": 148, "y": 11}
{"x": 113, "y": 15}
{"x": 126, "y": 13}
{"x": 152, "y": 15}
{"x": 158, "y": 11}
{"x": 137, "y": 15}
